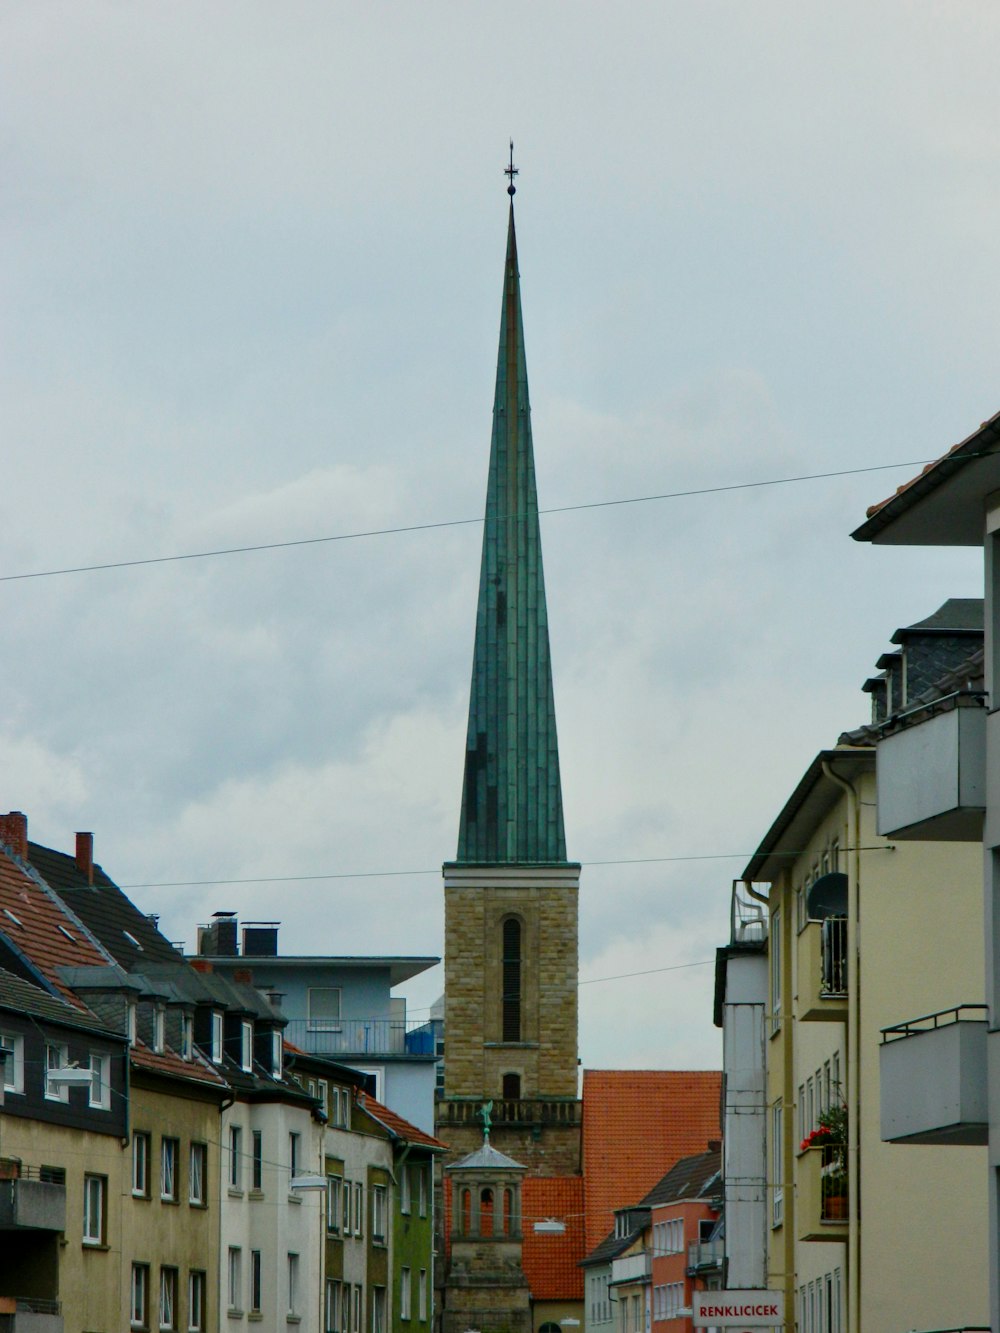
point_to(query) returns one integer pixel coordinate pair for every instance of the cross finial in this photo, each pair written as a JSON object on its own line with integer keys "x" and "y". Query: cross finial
{"x": 510, "y": 172}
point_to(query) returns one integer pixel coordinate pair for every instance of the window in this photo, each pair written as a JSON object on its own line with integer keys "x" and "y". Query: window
{"x": 293, "y": 1155}
{"x": 255, "y": 1281}
{"x": 56, "y": 1057}
{"x": 246, "y": 1046}
{"x": 422, "y": 1295}
{"x": 131, "y": 1022}
{"x": 100, "y": 1082}
{"x": 139, "y": 1296}
{"x": 257, "y": 1161}
{"x": 196, "y": 1301}
{"x": 404, "y": 1293}
{"x": 332, "y": 1307}
{"x": 511, "y": 980}
{"x": 359, "y": 1207}
{"x": 511, "y": 1087}
{"x": 404, "y": 1190}
{"x": 422, "y": 1190}
{"x": 197, "y": 1173}
{"x": 140, "y": 1165}
{"x": 378, "y": 1213}
{"x": 777, "y": 1192}
{"x": 293, "y": 1284}
{"x": 12, "y": 1046}
{"x": 168, "y": 1298}
{"x": 323, "y": 1008}
{"x": 346, "y": 1210}
{"x": 378, "y": 1309}
{"x": 187, "y": 1037}
{"x": 235, "y": 1277}
{"x": 95, "y": 1193}
{"x": 333, "y": 1205}
{"x": 235, "y": 1160}
{"x": 323, "y": 1093}
{"x": 356, "y": 1321}
{"x": 216, "y": 1037}
{"x": 276, "y": 1053}
{"x": 159, "y": 1029}
{"x": 169, "y": 1149}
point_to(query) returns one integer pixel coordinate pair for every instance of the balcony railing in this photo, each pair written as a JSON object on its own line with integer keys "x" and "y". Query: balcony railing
{"x": 823, "y": 969}
{"x": 631, "y": 1268}
{"x": 510, "y": 1112}
{"x": 361, "y": 1036}
{"x": 28, "y": 1315}
{"x": 821, "y": 1211}
{"x": 31, "y": 1198}
{"x": 704, "y": 1255}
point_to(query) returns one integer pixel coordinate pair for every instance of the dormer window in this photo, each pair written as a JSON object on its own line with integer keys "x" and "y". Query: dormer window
{"x": 276, "y": 1053}
{"x": 187, "y": 1036}
{"x": 159, "y": 1029}
{"x": 131, "y": 1022}
{"x": 216, "y": 1055}
{"x": 246, "y": 1045}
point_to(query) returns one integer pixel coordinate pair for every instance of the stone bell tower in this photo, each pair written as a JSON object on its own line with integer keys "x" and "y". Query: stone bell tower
{"x": 511, "y": 894}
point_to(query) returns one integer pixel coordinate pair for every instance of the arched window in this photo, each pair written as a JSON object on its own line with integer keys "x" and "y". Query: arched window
{"x": 466, "y": 1212}
{"x": 511, "y": 1087}
{"x": 511, "y": 980}
{"x": 486, "y": 1212}
{"x": 550, "y": 1328}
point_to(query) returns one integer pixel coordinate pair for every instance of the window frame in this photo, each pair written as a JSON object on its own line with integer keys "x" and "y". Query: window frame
{"x": 246, "y": 1045}
{"x": 102, "y": 1074}
{"x": 234, "y": 1279}
{"x": 197, "y": 1288}
{"x": 378, "y": 1221}
{"x": 167, "y": 1308}
{"x": 139, "y": 1296}
{"x": 61, "y": 1051}
{"x": 257, "y": 1160}
{"x": 422, "y": 1296}
{"x": 198, "y": 1174}
{"x": 324, "y": 1022}
{"x": 256, "y": 1283}
{"x": 511, "y": 978}
{"x": 217, "y": 1039}
{"x": 359, "y": 1208}
{"x": 334, "y": 1185}
{"x": 13, "y": 1066}
{"x": 294, "y": 1283}
{"x": 170, "y": 1151}
{"x": 140, "y": 1163}
{"x": 235, "y": 1175}
{"x": 404, "y": 1293}
{"x": 422, "y": 1191}
{"x": 95, "y": 1187}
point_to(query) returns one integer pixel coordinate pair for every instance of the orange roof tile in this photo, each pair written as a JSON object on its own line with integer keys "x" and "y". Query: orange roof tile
{"x": 551, "y": 1263}
{"x": 636, "y": 1124}
{"x": 397, "y": 1125}
{"x": 169, "y": 1062}
{"x": 39, "y": 928}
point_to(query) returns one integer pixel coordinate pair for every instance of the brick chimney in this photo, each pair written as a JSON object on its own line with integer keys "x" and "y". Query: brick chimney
{"x": 201, "y": 965}
{"x": 85, "y": 855}
{"x": 14, "y": 832}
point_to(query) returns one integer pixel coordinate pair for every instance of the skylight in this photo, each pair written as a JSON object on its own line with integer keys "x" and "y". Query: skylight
{"x": 132, "y": 940}
{"x": 68, "y": 935}
{"x": 8, "y": 912}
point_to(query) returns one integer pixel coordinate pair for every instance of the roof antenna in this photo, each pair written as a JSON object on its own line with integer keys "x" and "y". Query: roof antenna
{"x": 510, "y": 172}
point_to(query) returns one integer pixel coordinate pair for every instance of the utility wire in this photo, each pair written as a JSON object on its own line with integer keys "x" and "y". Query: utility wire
{"x": 391, "y": 874}
{"x": 450, "y": 523}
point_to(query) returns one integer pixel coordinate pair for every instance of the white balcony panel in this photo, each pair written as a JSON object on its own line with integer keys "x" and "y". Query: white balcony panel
{"x": 934, "y": 1085}
{"x": 631, "y": 1268}
{"x": 932, "y": 778}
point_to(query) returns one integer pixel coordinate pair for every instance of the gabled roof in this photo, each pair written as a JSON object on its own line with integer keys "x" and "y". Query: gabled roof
{"x": 552, "y": 1262}
{"x": 512, "y": 797}
{"x": 24, "y": 998}
{"x": 488, "y": 1158}
{"x": 691, "y": 1178}
{"x": 634, "y": 1123}
{"x": 610, "y": 1248}
{"x": 398, "y": 1127}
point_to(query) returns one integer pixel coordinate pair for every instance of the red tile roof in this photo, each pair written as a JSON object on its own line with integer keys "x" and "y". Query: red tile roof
{"x": 170, "y": 1063}
{"x": 551, "y": 1263}
{"x": 636, "y": 1124}
{"x": 397, "y": 1125}
{"x": 39, "y": 928}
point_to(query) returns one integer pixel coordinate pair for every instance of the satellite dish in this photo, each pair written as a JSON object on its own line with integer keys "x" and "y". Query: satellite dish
{"x": 827, "y": 896}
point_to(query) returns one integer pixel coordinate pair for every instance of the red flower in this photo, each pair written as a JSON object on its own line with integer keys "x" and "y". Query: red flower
{"x": 816, "y": 1138}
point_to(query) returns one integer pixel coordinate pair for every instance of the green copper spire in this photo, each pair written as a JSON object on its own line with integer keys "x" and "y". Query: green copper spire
{"x": 512, "y": 800}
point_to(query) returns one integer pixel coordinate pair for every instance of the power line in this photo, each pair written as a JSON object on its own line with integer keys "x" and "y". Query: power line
{"x": 447, "y": 523}
{"x": 393, "y": 874}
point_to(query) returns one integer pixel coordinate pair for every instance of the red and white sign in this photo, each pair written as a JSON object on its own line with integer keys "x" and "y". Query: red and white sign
{"x": 738, "y": 1309}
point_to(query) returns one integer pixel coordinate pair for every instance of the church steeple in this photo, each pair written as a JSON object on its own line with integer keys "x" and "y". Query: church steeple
{"x": 512, "y": 799}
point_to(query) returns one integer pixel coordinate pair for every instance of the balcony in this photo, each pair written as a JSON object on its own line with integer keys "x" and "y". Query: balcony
{"x": 705, "y": 1256}
{"x": 19, "y": 1315}
{"x": 931, "y": 776}
{"x": 510, "y": 1112}
{"x": 361, "y": 1036}
{"x": 821, "y": 1196}
{"x": 631, "y": 1268}
{"x": 29, "y": 1203}
{"x": 822, "y": 970}
{"x": 933, "y": 1077}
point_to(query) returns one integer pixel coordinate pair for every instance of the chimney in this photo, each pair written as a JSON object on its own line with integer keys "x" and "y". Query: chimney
{"x": 14, "y": 833}
{"x": 85, "y": 855}
{"x": 242, "y": 976}
{"x": 201, "y": 965}
{"x": 225, "y": 934}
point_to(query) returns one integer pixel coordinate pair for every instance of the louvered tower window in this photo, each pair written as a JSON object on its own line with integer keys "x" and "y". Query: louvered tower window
{"x": 511, "y": 980}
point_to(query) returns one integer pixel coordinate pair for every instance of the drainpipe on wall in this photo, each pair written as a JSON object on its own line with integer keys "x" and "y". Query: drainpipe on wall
{"x": 853, "y": 850}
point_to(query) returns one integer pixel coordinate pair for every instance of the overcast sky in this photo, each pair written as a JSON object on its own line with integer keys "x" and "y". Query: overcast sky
{"x": 252, "y": 267}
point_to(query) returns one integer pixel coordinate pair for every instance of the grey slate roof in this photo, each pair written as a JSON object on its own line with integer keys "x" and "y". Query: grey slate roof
{"x": 690, "y": 1178}
{"x": 956, "y": 615}
{"x": 489, "y": 1158}
{"x": 611, "y": 1247}
{"x": 25, "y": 998}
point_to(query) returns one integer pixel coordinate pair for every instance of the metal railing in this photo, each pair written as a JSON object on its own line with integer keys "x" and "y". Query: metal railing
{"x": 705, "y": 1254}
{"x": 833, "y": 955}
{"x": 961, "y": 1013}
{"x": 361, "y": 1036}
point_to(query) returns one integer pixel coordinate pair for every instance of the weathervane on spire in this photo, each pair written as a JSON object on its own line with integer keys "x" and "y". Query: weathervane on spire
{"x": 510, "y": 172}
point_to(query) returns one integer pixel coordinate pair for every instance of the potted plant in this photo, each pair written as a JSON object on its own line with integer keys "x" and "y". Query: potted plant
{"x": 830, "y": 1134}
